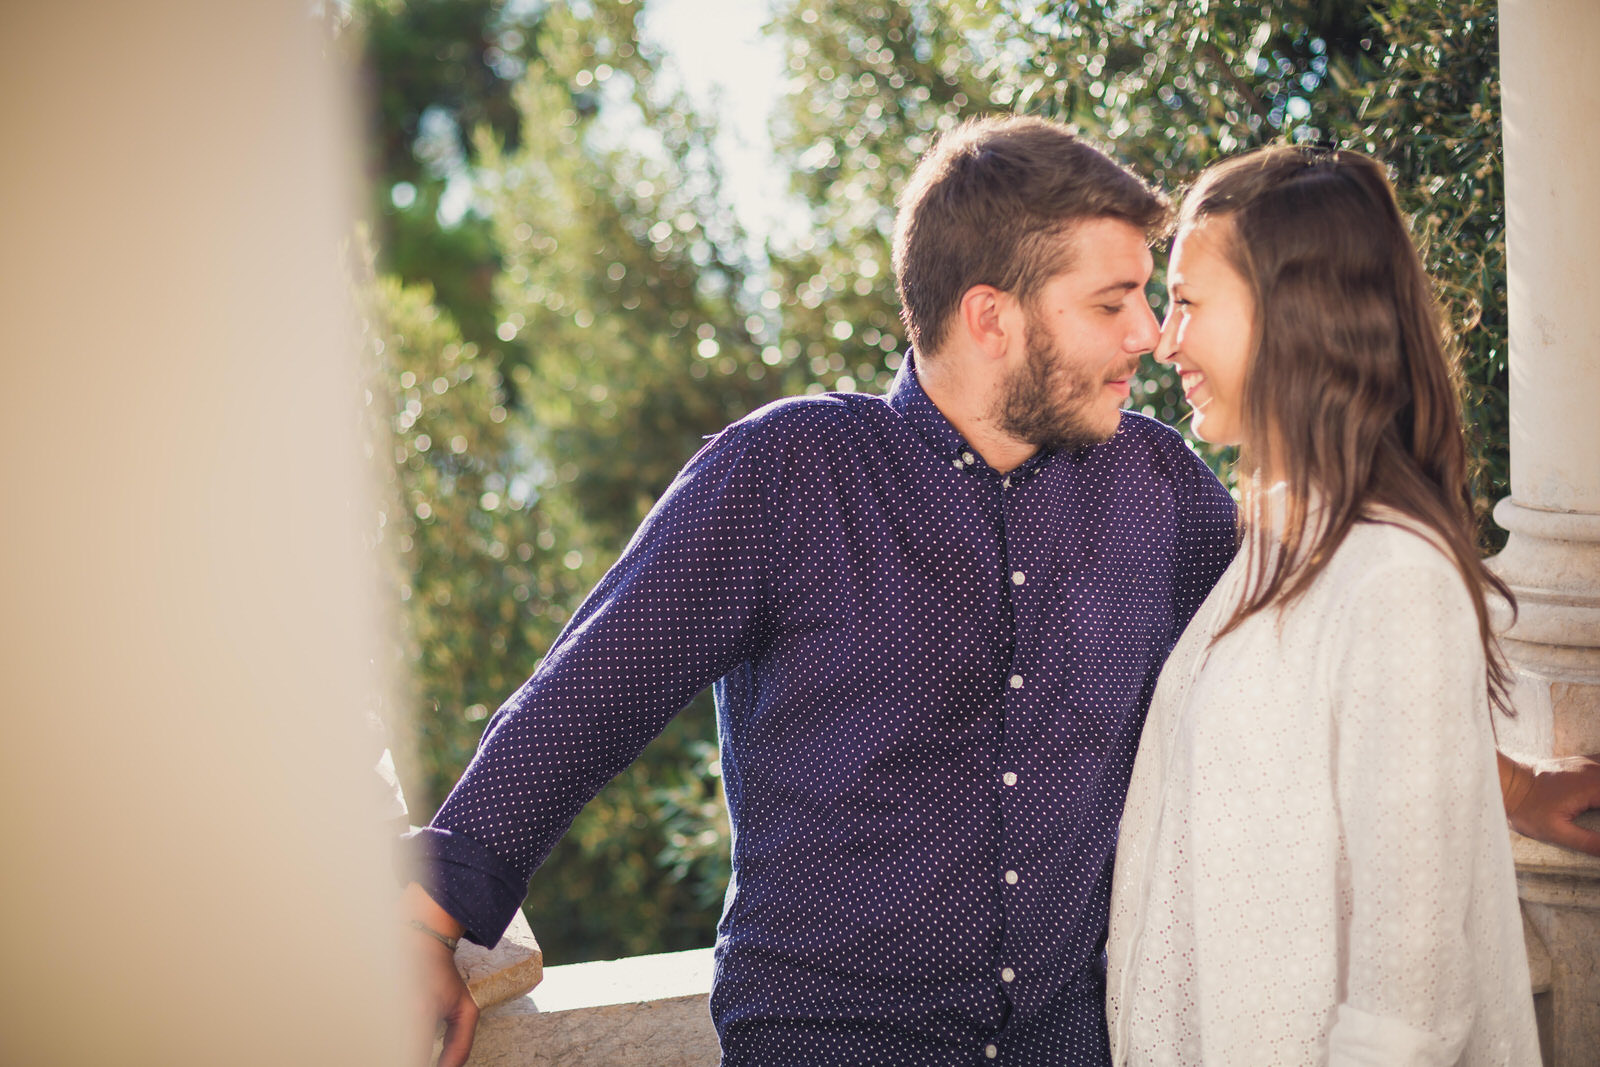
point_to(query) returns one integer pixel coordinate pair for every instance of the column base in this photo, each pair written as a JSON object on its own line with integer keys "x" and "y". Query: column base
{"x": 1552, "y": 564}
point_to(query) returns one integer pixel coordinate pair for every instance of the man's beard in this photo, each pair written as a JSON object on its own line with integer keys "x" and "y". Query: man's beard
{"x": 1047, "y": 402}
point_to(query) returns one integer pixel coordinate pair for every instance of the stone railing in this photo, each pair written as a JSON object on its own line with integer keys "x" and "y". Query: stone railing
{"x": 647, "y": 1011}
{"x": 1560, "y": 893}
{"x": 650, "y": 1011}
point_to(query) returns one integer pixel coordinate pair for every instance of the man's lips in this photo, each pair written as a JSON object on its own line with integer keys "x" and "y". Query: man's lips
{"x": 1123, "y": 383}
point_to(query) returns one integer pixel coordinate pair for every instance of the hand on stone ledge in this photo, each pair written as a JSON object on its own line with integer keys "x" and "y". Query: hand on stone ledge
{"x": 442, "y": 995}
{"x": 1562, "y": 790}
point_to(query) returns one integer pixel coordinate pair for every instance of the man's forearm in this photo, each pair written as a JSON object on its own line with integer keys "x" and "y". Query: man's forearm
{"x": 1516, "y": 782}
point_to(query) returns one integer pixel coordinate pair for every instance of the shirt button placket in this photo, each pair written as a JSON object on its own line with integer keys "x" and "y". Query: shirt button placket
{"x": 1015, "y": 682}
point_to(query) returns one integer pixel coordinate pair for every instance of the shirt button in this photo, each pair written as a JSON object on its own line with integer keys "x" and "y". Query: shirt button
{"x": 956, "y": 463}
{"x": 1009, "y": 778}
{"x": 1016, "y": 681}
{"x": 1011, "y": 879}
{"x": 1007, "y": 974}
{"x": 968, "y": 457}
{"x": 991, "y": 1051}
{"x": 1006, "y": 481}
{"x": 1017, "y": 577}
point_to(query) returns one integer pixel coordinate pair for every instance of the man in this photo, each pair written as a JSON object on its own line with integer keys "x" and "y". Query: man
{"x": 934, "y": 620}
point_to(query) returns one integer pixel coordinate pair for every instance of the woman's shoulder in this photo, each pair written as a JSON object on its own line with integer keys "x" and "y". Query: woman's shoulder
{"x": 1391, "y": 556}
{"x": 1387, "y": 533}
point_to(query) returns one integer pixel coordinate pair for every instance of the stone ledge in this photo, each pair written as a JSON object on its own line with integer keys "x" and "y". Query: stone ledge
{"x": 510, "y": 969}
{"x": 1549, "y": 874}
{"x": 1538, "y": 958}
{"x": 648, "y": 1011}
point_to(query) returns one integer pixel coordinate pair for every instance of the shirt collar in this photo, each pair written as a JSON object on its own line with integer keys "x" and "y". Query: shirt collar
{"x": 906, "y": 397}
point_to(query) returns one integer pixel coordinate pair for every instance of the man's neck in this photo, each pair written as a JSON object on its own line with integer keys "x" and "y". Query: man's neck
{"x": 970, "y": 405}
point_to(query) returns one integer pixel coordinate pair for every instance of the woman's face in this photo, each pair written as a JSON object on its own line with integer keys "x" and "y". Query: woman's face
{"x": 1210, "y": 317}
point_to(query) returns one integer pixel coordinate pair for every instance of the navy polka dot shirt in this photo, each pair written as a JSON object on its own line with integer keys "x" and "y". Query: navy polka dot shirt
{"x": 930, "y": 683}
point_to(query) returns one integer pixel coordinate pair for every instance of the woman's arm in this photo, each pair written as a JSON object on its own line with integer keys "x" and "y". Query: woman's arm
{"x": 1412, "y": 746}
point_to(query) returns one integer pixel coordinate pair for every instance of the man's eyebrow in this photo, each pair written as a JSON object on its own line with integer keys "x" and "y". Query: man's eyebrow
{"x": 1117, "y": 287}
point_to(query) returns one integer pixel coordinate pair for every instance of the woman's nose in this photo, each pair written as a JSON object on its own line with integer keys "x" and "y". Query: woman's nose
{"x": 1167, "y": 346}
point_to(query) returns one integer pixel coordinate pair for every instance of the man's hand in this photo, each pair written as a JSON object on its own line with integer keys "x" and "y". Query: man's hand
{"x": 1544, "y": 799}
{"x": 442, "y": 995}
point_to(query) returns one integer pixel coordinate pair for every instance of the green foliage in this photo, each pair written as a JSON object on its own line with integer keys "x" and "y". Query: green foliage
{"x": 438, "y": 70}
{"x": 481, "y": 593}
{"x": 872, "y": 85}
{"x": 623, "y": 322}
{"x": 1434, "y": 115}
{"x": 625, "y": 293}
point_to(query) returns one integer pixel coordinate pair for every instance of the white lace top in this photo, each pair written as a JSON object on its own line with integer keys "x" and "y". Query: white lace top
{"x": 1314, "y": 864}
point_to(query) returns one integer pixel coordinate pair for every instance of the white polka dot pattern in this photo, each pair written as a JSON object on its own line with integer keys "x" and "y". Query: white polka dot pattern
{"x": 1314, "y": 864}
{"x": 930, "y": 676}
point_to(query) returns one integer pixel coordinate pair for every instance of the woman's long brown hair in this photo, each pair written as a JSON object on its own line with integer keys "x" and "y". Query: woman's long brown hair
{"x": 1350, "y": 393}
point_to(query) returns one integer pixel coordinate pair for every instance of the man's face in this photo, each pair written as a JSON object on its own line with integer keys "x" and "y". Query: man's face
{"x": 1085, "y": 330}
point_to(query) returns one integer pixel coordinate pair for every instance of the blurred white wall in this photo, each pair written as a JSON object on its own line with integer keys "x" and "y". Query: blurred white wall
{"x": 189, "y": 873}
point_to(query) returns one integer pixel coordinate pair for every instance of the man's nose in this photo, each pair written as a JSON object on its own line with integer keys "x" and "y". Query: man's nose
{"x": 1145, "y": 333}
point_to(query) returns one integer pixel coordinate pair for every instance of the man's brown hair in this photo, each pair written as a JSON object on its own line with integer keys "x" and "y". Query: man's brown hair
{"x": 986, "y": 206}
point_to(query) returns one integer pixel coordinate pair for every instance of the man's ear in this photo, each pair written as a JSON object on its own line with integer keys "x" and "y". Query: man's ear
{"x": 986, "y": 315}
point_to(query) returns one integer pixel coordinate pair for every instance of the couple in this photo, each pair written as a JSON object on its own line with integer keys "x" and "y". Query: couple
{"x": 936, "y": 620}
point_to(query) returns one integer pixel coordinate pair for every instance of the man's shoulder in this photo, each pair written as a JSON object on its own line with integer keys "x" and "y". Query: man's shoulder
{"x": 803, "y": 412}
{"x": 1142, "y": 431}
{"x": 1143, "y": 441}
{"x": 1146, "y": 457}
{"x": 803, "y": 423}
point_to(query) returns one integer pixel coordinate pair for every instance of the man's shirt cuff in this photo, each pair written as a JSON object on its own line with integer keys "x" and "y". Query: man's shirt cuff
{"x": 467, "y": 880}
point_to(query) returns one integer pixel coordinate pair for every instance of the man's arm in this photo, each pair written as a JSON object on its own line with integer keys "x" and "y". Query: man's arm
{"x": 1543, "y": 799}
{"x": 680, "y": 608}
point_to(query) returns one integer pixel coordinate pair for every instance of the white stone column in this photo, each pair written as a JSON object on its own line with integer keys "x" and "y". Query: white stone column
{"x": 1551, "y": 97}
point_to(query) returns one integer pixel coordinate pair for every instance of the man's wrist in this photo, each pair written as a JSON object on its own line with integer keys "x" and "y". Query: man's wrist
{"x": 449, "y": 943}
{"x": 1516, "y": 786}
{"x": 421, "y": 911}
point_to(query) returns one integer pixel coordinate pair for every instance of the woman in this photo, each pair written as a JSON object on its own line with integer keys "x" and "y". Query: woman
{"x": 1313, "y": 865}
